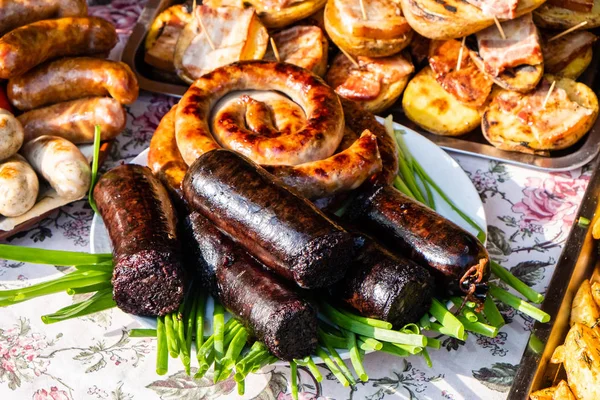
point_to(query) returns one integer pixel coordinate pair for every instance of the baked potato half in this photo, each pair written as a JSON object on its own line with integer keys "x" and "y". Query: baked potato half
{"x": 578, "y": 66}
{"x": 305, "y": 46}
{"x": 523, "y": 78}
{"x": 568, "y": 55}
{"x": 553, "y": 17}
{"x": 451, "y": 19}
{"x": 383, "y": 33}
{"x": 427, "y": 104}
{"x": 236, "y": 34}
{"x": 529, "y": 123}
{"x": 376, "y": 83}
{"x": 163, "y": 35}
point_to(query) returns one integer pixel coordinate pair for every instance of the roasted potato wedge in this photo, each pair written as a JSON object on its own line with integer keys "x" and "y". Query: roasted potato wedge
{"x": 522, "y": 122}
{"x": 451, "y": 19}
{"x": 558, "y": 356}
{"x": 584, "y": 310}
{"x": 236, "y": 34}
{"x": 376, "y": 84}
{"x": 387, "y": 35}
{"x": 582, "y": 362}
{"x": 304, "y": 46}
{"x": 543, "y": 394}
{"x": 558, "y": 392}
{"x": 427, "y": 104}
{"x": 596, "y": 292}
{"x": 554, "y": 17}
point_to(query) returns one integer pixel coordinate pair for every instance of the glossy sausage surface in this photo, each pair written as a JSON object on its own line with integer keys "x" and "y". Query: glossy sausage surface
{"x": 148, "y": 275}
{"x": 274, "y": 313}
{"x": 72, "y": 78}
{"x": 16, "y": 13}
{"x": 283, "y": 230}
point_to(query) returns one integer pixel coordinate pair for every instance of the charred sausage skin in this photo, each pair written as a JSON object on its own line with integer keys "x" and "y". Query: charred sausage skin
{"x": 385, "y": 286}
{"x": 458, "y": 261}
{"x": 273, "y": 312}
{"x": 142, "y": 225}
{"x": 283, "y": 230}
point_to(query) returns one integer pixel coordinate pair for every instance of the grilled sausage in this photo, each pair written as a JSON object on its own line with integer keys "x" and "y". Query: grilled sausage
{"x": 283, "y": 230}
{"x": 72, "y": 78}
{"x": 11, "y": 135}
{"x": 142, "y": 225}
{"x": 61, "y": 163}
{"x": 30, "y": 45}
{"x": 275, "y": 313}
{"x": 385, "y": 286}
{"x": 16, "y": 13}
{"x": 75, "y": 120}
{"x": 458, "y": 261}
{"x": 19, "y": 186}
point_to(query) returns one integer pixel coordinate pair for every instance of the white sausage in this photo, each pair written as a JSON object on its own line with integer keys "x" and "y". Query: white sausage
{"x": 11, "y": 135}
{"x": 19, "y": 186}
{"x": 61, "y": 163}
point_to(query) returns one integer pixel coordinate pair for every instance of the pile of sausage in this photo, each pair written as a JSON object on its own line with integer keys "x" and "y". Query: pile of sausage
{"x": 258, "y": 243}
{"x": 51, "y": 54}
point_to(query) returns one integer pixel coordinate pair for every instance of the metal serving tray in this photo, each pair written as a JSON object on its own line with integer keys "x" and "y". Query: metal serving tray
{"x": 579, "y": 260}
{"x": 473, "y": 143}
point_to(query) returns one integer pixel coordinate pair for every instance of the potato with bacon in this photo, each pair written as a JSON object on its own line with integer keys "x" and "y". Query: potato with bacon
{"x": 451, "y": 19}
{"x": 163, "y": 35}
{"x": 569, "y": 55}
{"x": 514, "y": 62}
{"x": 430, "y": 106}
{"x": 564, "y": 14}
{"x": 378, "y": 29}
{"x": 304, "y": 46}
{"x": 542, "y": 120}
{"x": 230, "y": 34}
{"x": 376, "y": 83}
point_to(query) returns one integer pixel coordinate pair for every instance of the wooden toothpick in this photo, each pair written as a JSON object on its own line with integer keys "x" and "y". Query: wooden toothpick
{"x": 460, "y": 53}
{"x": 356, "y": 64}
{"x": 193, "y": 5}
{"x": 571, "y": 29}
{"x": 210, "y": 42}
{"x": 499, "y": 26}
{"x": 362, "y": 9}
{"x": 549, "y": 93}
{"x": 275, "y": 51}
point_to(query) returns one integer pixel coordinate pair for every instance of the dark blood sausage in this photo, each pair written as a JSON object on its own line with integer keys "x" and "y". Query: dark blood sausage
{"x": 458, "y": 261}
{"x": 142, "y": 225}
{"x": 284, "y": 231}
{"x": 385, "y": 286}
{"x": 30, "y": 45}
{"x": 273, "y": 312}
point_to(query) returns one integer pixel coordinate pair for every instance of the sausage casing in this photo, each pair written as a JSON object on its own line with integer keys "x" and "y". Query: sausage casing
{"x": 11, "y": 134}
{"x": 30, "y": 45}
{"x": 142, "y": 225}
{"x": 284, "y": 231}
{"x": 16, "y": 13}
{"x": 61, "y": 163}
{"x": 457, "y": 260}
{"x": 273, "y": 312}
{"x": 75, "y": 120}
{"x": 72, "y": 78}
{"x": 19, "y": 186}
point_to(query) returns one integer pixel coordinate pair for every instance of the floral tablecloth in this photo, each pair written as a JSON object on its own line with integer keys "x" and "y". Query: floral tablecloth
{"x": 529, "y": 215}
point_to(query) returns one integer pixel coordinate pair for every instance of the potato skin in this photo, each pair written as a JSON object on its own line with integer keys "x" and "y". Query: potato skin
{"x": 19, "y": 186}
{"x": 549, "y": 16}
{"x": 427, "y": 104}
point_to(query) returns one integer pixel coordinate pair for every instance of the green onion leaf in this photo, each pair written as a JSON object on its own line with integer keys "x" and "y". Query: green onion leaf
{"x": 95, "y": 162}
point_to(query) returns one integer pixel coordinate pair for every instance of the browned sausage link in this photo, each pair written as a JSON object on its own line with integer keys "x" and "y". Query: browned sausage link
{"x": 72, "y": 78}
{"x": 458, "y": 261}
{"x": 283, "y": 230}
{"x": 385, "y": 286}
{"x": 275, "y": 314}
{"x": 141, "y": 222}
{"x": 30, "y": 45}
{"x": 16, "y": 13}
{"x": 75, "y": 120}
{"x": 164, "y": 158}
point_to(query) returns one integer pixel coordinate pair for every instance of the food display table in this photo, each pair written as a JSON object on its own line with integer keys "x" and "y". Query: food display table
{"x": 529, "y": 214}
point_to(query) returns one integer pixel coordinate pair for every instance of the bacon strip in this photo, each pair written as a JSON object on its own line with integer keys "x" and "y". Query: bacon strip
{"x": 521, "y": 46}
{"x": 469, "y": 85}
{"x": 560, "y": 52}
{"x": 504, "y": 9}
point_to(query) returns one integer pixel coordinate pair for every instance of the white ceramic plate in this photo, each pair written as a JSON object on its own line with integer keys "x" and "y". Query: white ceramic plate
{"x": 442, "y": 168}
